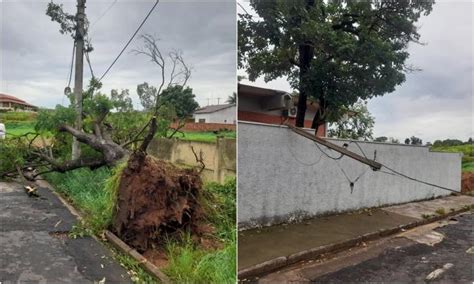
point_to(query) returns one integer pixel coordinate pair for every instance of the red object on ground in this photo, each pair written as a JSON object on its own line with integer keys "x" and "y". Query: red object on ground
{"x": 467, "y": 182}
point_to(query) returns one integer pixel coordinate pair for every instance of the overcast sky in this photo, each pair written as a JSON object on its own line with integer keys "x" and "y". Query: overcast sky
{"x": 35, "y": 57}
{"x": 437, "y": 102}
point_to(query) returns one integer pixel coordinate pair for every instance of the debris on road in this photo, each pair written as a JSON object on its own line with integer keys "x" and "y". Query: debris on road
{"x": 436, "y": 273}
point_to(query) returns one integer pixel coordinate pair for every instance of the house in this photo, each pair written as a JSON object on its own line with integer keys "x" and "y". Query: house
{"x": 271, "y": 106}
{"x": 224, "y": 114}
{"x": 11, "y": 103}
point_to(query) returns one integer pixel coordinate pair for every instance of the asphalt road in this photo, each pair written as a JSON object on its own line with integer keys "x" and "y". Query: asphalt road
{"x": 34, "y": 246}
{"x": 414, "y": 262}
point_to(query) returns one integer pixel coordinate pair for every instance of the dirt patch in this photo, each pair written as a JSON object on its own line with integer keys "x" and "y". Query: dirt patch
{"x": 156, "y": 201}
{"x": 467, "y": 182}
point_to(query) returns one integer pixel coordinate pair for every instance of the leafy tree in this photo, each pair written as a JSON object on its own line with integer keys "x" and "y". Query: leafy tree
{"x": 358, "y": 124}
{"x": 181, "y": 99}
{"x": 111, "y": 131}
{"x": 232, "y": 99}
{"x": 415, "y": 141}
{"x": 407, "y": 141}
{"x": 146, "y": 93}
{"x": 382, "y": 139}
{"x": 336, "y": 51}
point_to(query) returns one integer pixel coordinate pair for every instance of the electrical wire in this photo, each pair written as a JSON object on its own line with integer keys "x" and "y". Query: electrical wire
{"x": 130, "y": 40}
{"x": 301, "y": 162}
{"x": 90, "y": 65}
{"x": 242, "y": 7}
{"x": 72, "y": 64}
{"x": 103, "y": 14}
{"x": 397, "y": 173}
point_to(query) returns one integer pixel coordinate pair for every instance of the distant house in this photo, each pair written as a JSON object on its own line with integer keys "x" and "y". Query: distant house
{"x": 271, "y": 106}
{"x": 216, "y": 114}
{"x": 11, "y": 103}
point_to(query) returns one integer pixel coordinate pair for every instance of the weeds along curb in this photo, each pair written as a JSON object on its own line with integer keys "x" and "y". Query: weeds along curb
{"x": 112, "y": 238}
{"x": 144, "y": 263}
{"x": 283, "y": 261}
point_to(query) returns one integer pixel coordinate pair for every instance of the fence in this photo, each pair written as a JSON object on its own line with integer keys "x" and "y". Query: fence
{"x": 284, "y": 177}
{"x": 219, "y": 158}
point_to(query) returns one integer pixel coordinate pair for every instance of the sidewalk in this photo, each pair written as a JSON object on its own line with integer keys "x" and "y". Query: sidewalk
{"x": 34, "y": 245}
{"x": 273, "y": 247}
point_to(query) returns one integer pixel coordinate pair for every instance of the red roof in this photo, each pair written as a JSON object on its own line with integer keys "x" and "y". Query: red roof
{"x": 11, "y": 99}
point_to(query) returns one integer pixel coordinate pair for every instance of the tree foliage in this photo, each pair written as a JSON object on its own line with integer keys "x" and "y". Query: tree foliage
{"x": 336, "y": 51}
{"x": 357, "y": 123}
{"x": 181, "y": 99}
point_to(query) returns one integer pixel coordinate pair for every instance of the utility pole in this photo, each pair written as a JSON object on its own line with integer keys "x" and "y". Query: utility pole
{"x": 78, "y": 73}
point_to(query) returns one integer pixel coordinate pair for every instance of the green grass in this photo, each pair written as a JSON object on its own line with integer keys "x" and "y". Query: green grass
{"x": 189, "y": 263}
{"x": 17, "y": 116}
{"x": 94, "y": 193}
{"x": 18, "y": 128}
{"x": 90, "y": 192}
{"x": 208, "y": 137}
{"x": 466, "y": 149}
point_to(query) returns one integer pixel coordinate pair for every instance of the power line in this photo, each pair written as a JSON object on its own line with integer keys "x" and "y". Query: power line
{"x": 242, "y": 7}
{"x": 130, "y": 40}
{"x": 72, "y": 64}
{"x": 393, "y": 171}
{"x": 103, "y": 14}
{"x": 397, "y": 173}
{"x": 89, "y": 63}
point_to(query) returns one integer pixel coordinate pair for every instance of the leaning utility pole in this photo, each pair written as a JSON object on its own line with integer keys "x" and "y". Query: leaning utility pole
{"x": 78, "y": 73}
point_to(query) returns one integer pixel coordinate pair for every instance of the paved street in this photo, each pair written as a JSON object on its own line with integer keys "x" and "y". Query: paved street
{"x": 407, "y": 257}
{"x": 414, "y": 262}
{"x": 34, "y": 245}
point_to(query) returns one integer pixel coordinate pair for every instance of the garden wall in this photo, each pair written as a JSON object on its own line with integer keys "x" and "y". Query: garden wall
{"x": 284, "y": 177}
{"x": 219, "y": 158}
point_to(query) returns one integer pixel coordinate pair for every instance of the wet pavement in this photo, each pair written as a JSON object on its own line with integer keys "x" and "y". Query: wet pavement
{"x": 259, "y": 245}
{"x": 34, "y": 243}
{"x": 264, "y": 244}
{"x": 449, "y": 261}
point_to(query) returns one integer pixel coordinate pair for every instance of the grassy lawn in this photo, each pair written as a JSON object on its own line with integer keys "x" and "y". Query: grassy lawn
{"x": 467, "y": 150}
{"x": 18, "y": 123}
{"x": 93, "y": 193}
{"x": 208, "y": 137}
{"x": 18, "y": 128}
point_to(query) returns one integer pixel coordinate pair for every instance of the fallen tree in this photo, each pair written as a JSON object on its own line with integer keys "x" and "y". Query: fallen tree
{"x": 154, "y": 197}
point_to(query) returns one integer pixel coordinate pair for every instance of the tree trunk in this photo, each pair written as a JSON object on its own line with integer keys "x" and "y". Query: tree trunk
{"x": 305, "y": 51}
{"x": 320, "y": 116}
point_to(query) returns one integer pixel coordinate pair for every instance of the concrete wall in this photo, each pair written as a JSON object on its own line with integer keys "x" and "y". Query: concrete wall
{"x": 284, "y": 177}
{"x": 219, "y": 158}
{"x": 227, "y": 116}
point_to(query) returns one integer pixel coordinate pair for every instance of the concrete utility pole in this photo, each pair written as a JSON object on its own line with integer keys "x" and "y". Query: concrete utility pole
{"x": 79, "y": 72}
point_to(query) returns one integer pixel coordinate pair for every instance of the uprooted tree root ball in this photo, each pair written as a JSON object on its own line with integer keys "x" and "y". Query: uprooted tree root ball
{"x": 156, "y": 200}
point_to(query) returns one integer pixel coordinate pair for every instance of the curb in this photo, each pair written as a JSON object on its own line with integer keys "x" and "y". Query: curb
{"x": 144, "y": 263}
{"x": 112, "y": 238}
{"x": 283, "y": 261}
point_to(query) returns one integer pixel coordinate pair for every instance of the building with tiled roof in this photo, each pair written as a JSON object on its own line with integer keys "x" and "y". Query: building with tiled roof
{"x": 11, "y": 103}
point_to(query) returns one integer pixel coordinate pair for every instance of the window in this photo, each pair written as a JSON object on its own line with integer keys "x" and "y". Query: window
{"x": 202, "y": 120}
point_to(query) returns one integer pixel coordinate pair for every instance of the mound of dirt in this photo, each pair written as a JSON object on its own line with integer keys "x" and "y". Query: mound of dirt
{"x": 156, "y": 200}
{"x": 467, "y": 182}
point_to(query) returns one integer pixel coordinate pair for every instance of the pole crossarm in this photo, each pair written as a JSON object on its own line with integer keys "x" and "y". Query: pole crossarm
{"x": 373, "y": 164}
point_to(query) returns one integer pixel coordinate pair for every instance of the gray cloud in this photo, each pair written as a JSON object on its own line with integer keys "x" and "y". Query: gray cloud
{"x": 437, "y": 102}
{"x": 35, "y": 57}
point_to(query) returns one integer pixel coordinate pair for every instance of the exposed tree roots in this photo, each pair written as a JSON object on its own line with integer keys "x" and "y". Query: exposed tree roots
{"x": 156, "y": 200}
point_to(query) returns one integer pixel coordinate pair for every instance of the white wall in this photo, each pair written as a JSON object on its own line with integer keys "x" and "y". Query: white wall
{"x": 227, "y": 116}
{"x": 284, "y": 177}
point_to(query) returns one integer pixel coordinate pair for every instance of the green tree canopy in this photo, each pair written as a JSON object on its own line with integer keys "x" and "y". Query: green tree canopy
{"x": 357, "y": 123}
{"x": 181, "y": 99}
{"x": 336, "y": 51}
